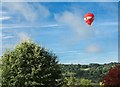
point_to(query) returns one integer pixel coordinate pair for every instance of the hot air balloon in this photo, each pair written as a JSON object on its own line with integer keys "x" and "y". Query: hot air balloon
{"x": 89, "y": 18}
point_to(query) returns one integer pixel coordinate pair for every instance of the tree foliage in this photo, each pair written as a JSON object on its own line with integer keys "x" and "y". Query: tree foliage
{"x": 112, "y": 79}
{"x": 85, "y": 82}
{"x": 75, "y": 82}
{"x": 30, "y": 65}
{"x": 93, "y": 72}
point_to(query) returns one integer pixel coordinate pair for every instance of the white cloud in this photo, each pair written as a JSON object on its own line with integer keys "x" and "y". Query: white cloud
{"x": 1, "y": 25}
{"x": 0, "y": 34}
{"x": 7, "y": 46}
{"x": 71, "y": 52}
{"x": 0, "y": 43}
{"x": 51, "y": 25}
{"x": 10, "y": 45}
{"x": 93, "y": 49}
{"x": 28, "y": 26}
{"x": 7, "y": 37}
{"x": 2, "y": 12}
{"x": 43, "y": 11}
{"x": 24, "y": 36}
{"x": 22, "y": 8}
{"x": 75, "y": 22}
{"x": 4, "y": 18}
{"x": 28, "y": 11}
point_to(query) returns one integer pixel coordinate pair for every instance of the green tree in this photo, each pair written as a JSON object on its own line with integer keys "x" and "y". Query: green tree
{"x": 85, "y": 82}
{"x": 72, "y": 81}
{"x": 112, "y": 78}
{"x": 0, "y": 72}
{"x": 30, "y": 65}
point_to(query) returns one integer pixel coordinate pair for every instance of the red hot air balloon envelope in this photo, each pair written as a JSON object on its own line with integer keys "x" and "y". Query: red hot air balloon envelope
{"x": 89, "y": 18}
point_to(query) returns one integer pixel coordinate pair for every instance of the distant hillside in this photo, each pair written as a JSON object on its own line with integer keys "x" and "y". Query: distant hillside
{"x": 93, "y": 71}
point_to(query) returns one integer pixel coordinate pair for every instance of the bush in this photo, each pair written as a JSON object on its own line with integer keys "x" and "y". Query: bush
{"x": 85, "y": 82}
{"x": 112, "y": 79}
{"x": 29, "y": 65}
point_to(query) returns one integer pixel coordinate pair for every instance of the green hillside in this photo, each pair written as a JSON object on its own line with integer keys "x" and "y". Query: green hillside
{"x": 93, "y": 72}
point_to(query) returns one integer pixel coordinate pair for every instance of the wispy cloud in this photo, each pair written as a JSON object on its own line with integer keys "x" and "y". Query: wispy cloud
{"x": 3, "y": 12}
{"x": 93, "y": 49}
{"x": 52, "y": 25}
{"x": 75, "y": 22}
{"x": 0, "y": 43}
{"x": 4, "y": 18}
{"x": 23, "y": 36}
{"x": 28, "y": 11}
{"x": 0, "y": 34}
{"x": 22, "y": 8}
{"x": 1, "y": 26}
{"x": 67, "y": 52}
{"x": 28, "y": 26}
{"x": 7, "y": 37}
{"x": 7, "y": 46}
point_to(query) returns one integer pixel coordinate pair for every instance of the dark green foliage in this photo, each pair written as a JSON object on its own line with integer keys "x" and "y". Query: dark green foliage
{"x": 93, "y": 72}
{"x": 30, "y": 65}
{"x": 0, "y": 72}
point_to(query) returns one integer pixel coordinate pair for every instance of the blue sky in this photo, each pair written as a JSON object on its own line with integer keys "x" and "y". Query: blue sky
{"x": 60, "y": 28}
{"x": 60, "y": 0}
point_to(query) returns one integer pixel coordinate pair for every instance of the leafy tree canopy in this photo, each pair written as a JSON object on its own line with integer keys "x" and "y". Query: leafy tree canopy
{"x": 30, "y": 65}
{"x": 112, "y": 79}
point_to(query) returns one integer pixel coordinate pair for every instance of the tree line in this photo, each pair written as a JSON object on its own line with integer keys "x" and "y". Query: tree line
{"x": 93, "y": 72}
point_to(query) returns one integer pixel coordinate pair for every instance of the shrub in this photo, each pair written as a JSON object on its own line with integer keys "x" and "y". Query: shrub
{"x": 30, "y": 65}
